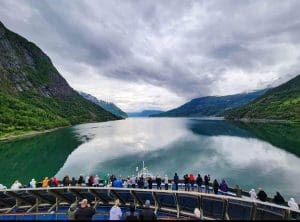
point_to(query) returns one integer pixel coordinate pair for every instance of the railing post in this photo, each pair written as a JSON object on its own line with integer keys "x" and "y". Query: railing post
{"x": 253, "y": 211}
{"x": 177, "y": 205}
{"x": 226, "y": 216}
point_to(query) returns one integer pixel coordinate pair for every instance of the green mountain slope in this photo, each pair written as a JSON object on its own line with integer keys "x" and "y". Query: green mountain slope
{"x": 280, "y": 103}
{"x": 110, "y": 107}
{"x": 210, "y": 105}
{"x": 34, "y": 96}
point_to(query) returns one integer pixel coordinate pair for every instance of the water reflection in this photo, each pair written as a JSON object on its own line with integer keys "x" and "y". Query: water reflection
{"x": 36, "y": 157}
{"x": 225, "y": 150}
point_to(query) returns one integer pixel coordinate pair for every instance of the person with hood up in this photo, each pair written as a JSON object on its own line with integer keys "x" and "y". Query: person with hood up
{"x": 262, "y": 196}
{"x": 85, "y": 211}
{"x": 16, "y": 185}
{"x": 199, "y": 182}
{"x": 176, "y": 181}
{"x": 131, "y": 215}
{"x": 192, "y": 180}
{"x": 32, "y": 183}
{"x": 224, "y": 186}
{"x": 115, "y": 212}
{"x": 55, "y": 182}
{"x": 278, "y": 199}
{"x": 147, "y": 213}
{"x": 294, "y": 206}
{"x": 166, "y": 182}
{"x": 216, "y": 186}
{"x": 96, "y": 181}
{"x": 253, "y": 195}
{"x": 45, "y": 182}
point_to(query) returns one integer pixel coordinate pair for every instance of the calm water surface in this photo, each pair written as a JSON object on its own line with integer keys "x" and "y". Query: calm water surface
{"x": 251, "y": 155}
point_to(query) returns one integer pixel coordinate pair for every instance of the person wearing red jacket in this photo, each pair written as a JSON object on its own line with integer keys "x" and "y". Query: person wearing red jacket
{"x": 192, "y": 180}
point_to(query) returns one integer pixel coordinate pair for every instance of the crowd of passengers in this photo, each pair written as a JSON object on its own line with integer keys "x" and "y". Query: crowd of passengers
{"x": 190, "y": 184}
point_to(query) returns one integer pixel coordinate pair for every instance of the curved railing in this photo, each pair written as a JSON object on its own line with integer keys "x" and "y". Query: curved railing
{"x": 177, "y": 203}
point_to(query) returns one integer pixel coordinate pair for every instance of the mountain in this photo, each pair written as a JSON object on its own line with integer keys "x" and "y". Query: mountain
{"x": 110, "y": 107}
{"x": 33, "y": 95}
{"x": 279, "y": 103}
{"x": 144, "y": 113}
{"x": 211, "y": 105}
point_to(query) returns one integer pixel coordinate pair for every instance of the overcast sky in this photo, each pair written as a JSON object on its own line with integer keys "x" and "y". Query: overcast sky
{"x": 160, "y": 54}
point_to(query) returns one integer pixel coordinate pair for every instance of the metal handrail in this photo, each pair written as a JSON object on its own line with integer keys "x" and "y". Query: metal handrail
{"x": 198, "y": 194}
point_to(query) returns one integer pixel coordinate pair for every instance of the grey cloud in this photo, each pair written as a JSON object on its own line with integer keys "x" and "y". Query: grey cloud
{"x": 187, "y": 47}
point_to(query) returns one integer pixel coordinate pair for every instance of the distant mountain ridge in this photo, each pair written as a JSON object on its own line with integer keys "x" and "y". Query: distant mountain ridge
{"x": 33, "y": 94}
{"x": 279, "y": 103}
{"x": 144, "y": 113}
{"x": 110, "y": 107}
{"x": 210, "y": 105}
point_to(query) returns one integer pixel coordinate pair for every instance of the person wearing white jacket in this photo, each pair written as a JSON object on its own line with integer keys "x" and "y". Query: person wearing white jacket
{"x": 166, "y": 181}
{"x": 16, "y": 185}
{"x": 294, "y": 206}
{"x": 253, "y": 195}
{"x": 33, "y": 183}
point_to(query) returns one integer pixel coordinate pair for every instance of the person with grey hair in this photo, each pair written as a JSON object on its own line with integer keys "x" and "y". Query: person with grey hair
{"x": 85, "y": 211}
{"x": 147, "y": 213}
{"x": 115, "y": 212}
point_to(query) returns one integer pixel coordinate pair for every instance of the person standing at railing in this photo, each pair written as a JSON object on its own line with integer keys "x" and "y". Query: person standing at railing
{"x": 253, "y": 195}
{"x": 176, "y": 181}
{"x": 158, "y": 182}
{"x": 141, "y": 183}
{"x": 166, "y": 181}
{"x": 186, "y": 182}
{"x": 73, "y": 181}
{"x": 32, "y": 183}
{"x": 294, "y": 206}
{"x": 278, "y": 199}
{"x": 66, "y": 181}
{"x": 192, "y": 181}
{"x": 45, "y": 182}
{"x": 199, "y": 182}
{"x": 216, "y": 186}
{"x": 133, "y": 181}
{"x": 150, "y": 183}
{"x": 206, "y": 184}
{"x": 96, "y": 181}
{"x": 80, "y": 180}
{"x": 262, "y": 196}
{"x": 224, "y": 186}
{"x": 16, "y": 185}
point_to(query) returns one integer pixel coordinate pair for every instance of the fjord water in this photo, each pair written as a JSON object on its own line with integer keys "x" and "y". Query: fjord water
{"x": 251, "y": 155}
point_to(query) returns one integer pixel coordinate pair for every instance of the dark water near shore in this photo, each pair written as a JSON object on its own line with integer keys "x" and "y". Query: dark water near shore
{"x": 252, "y": 155}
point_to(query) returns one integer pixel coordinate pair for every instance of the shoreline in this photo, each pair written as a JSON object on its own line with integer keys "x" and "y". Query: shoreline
{"x": 30, "y": 134}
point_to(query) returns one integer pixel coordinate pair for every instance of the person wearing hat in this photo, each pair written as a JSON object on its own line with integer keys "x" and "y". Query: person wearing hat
{"x": 147, "y": 213}
{"x": 115, "y": 212}
{"x": 71, "y": 211}
{"x": 85, "y": 211}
